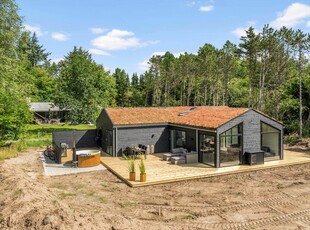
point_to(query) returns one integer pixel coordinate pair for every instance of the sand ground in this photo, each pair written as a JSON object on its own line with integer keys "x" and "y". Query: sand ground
{"x": 269, "y": 199}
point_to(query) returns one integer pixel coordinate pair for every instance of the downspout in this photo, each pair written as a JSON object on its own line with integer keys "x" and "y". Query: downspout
{"x": 281, "y": 142}
{"x": 116, "y": 142}
{"x": 217, "y": 150}
{"x": 197, "y": 145}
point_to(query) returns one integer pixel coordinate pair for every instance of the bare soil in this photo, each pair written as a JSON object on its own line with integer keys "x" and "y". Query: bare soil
{"x": 270, "y": 199}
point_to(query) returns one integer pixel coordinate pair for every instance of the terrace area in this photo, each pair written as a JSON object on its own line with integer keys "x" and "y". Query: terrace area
{"x": 159, "y": 171}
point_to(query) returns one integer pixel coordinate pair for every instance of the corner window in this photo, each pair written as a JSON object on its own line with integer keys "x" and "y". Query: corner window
{"x": 270, "y": 142}
{"x": 231, "y": 146}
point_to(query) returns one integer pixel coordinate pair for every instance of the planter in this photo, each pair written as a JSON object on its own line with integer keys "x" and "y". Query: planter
{"x": 132, "y": 176}
{"x": 142, "y": 177}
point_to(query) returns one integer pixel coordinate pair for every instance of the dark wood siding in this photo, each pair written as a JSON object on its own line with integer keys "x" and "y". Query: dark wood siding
{"x": 83, "y": 138}
{"x": 151, "y": 135}
{"x": 251, "y": 131}
{"x": 104, "y": 123}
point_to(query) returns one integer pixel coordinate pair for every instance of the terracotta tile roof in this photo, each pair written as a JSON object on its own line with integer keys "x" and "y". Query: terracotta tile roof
{"x": 201, "y": 116}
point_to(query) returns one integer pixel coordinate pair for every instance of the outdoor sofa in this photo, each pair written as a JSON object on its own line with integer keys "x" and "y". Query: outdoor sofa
{"x": 181, "y": 156}
{"x": 177, "y": 152}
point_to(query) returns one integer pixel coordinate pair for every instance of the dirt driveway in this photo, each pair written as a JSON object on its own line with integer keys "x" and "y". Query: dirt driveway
{"x": 270, "y": 199}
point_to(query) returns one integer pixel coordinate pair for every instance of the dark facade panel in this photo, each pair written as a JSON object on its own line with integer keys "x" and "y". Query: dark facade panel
{"x": 153, "y": 135}
{"x": 82, "y": 138}
{"x": 251, "y": 131}
{"x": 104, "y": 123}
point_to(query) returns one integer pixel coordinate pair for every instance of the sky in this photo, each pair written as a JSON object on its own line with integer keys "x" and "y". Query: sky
{"x": 126, "y": 33}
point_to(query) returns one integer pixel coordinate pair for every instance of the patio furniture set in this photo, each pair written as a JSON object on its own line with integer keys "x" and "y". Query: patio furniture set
{"x": 136, "y": 150}
{"x": 181, "y": 156}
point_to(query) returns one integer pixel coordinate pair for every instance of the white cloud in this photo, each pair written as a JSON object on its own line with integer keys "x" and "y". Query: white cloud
{"x": 144, "y": 65}
{"x": 293, "y": 15}
{"x": 120, "y": 33}
{"x": 175, "y": 54}
{"x": 191, "y": 4}
{"x": 119, "y": 40}
{"x": 35, "y": 29}
{"x": 98, "y": 30}
{"x": 240, "y": 31}
{"x": 206, "y": 8}
{"x": 60, "y": 36}
{"x": 149, "y": 43}
{"x": 308, "y": 24}
{"x": 99, "y": 52}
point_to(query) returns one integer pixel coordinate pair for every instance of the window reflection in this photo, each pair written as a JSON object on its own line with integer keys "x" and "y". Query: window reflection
{"x": 231, "y": 146}
{"x": 270, "y": 142}
{"x": 207, "y": 148}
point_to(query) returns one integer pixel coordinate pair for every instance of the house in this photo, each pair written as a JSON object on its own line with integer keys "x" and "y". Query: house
{"x": 46, "y": 112}
{"x": 219, "y": 135}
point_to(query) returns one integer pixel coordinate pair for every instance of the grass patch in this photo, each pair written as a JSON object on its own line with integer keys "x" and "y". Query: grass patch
{"x": 280, "y": 186}
{"x": 54, "y": 202}
{"x": 41, "y": 135}
{"x": 104, "y": 185}
{"x": 2, "y": 221}
{"x": 115, "y": 189}
{"x": 78, "y": 186}
{"x": 8, "y": 152}
{"x": 36, "y": 136}
{"x": 185, "y": 217}
{"x": 18, "y": 192}
{"x": 127, "y": 204}
{"x": 102, "y": 199}
{"x": 64, "y": 195}
{"x": 89, "y": 193}
{"x": 290, "y": 139}
{"x": 59, "y": 185}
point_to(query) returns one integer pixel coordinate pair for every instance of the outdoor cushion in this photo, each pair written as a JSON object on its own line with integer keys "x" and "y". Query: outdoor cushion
{"x": 179, "y": 150}
{"x": 177, "y": 160}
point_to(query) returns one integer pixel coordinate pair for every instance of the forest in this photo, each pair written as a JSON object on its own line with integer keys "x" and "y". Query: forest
{"x": 268, "y": 70}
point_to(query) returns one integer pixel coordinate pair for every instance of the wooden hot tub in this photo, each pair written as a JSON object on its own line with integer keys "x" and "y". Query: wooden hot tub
{"x": 88, "y": 158}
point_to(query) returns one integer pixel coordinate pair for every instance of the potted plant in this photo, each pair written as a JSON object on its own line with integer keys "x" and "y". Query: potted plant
{"x": 142, "y": 170}
{"x": 131, "y": 167}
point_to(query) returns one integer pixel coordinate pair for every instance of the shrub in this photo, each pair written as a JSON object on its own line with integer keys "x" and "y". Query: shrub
{"x": 131, "y": 163}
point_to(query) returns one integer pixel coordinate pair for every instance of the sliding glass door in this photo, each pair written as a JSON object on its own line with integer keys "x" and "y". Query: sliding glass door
{"x": 207, "y": 148}
{"x": 270, "y": 142}
{"x": 231, "y": 146}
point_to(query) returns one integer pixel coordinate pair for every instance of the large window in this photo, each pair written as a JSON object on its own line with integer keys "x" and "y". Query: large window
{"x": 231, "y": 146}
{"x": 207, "y": 148}
{"x": 270, "y": 141}
{"x": 178, "y": 138}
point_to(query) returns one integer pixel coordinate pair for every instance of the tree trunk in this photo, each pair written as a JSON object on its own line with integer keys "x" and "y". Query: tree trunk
{"x": 225, "y": 83}
{"x": 188, "y": 91}
{"x": 300, "y": 92}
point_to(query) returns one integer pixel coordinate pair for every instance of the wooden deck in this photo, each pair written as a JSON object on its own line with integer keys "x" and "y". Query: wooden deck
{"x": 159, "y": 171}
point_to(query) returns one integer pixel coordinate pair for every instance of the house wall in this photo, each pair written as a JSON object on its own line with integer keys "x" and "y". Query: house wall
{"x": 251, "y": 131}
{"x": 82, "y": 139}
{"x": 104, "y": 123}
{"x": 150, "y": 135}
